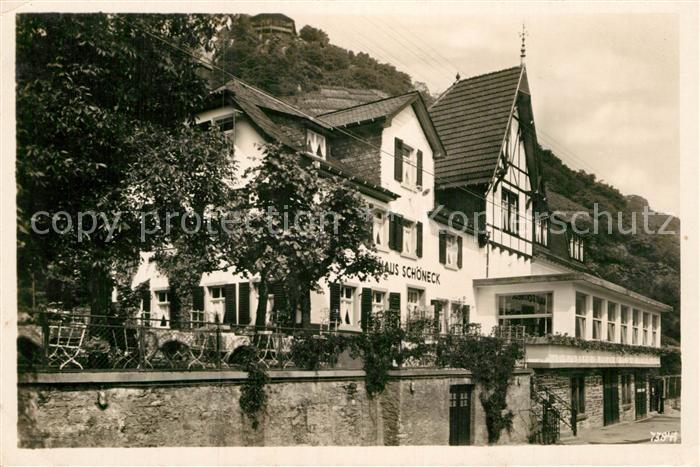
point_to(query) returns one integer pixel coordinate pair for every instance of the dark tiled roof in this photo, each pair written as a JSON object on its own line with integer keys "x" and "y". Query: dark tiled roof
{"x": 331, "y": 98}
{"x": 372, "y": 110}
{"x": 471, "y": 119}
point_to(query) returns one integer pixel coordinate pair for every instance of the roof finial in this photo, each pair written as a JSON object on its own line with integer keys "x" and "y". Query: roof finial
{"x": 523, "y": 34}
{"x": 457, "y": 78}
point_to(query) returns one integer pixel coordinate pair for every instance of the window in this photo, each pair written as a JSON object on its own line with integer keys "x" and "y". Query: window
{"x": 612, "y": 318}
{"x": 654, "y": 329}
{"x": 378, "y": 301}
{"x": 163, "y": 297}
{"x": 451, "y": 251}
{"x": 509, "y": 211}
{"x": 316, "y": 144}
{"x": 440, "y": 312}
{"x": 348, "y": 306}
{"x": 197, "y": 317}
{"x": 624, "y": 319}
{"x": 532, "y": 310}
{"x": 578, "y": 394}
{"x": 215, "y": 307}
{"x": 226, "y": 123}
{"x": 575, "y": 247}
{"x": 626, "y": 388}
{"x": 409, "y": 166}
{"x": 379, "y": 230}
{"x": 597, "y": 317}
{"x": 217, "y": 293}
{"x": 415, "y": 302}
{"x": 581, "y": 309}
{"x": 459, "y": 318}
{"x": 409, "y": 241}
{"x": 636, "y": 317}
{"x": 542, "y": 230}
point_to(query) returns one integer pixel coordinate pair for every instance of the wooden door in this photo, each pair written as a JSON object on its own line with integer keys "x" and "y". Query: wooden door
{"x": 640, "y": 395}
{"x": 460, "y": 414}
{"x": 611, "y": 400}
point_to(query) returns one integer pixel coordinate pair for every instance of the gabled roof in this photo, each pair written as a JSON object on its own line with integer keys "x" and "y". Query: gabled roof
{"x": 471, "y": 118}
{"x": 386, "y": 109}
{"x": 327, "y": 99}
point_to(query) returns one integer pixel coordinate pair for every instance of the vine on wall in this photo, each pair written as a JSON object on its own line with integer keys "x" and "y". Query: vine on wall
{"x": 253, "y": 396}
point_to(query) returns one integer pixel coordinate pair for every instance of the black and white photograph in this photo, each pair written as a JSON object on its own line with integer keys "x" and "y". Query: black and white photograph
{"x": 436, "y": 227}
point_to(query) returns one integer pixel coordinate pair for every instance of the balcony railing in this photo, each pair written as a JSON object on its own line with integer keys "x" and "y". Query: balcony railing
{"x": 61, "y": 341}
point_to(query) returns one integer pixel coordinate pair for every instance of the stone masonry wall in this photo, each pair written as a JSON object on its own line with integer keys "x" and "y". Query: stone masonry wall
{"x": 411, "y": 411}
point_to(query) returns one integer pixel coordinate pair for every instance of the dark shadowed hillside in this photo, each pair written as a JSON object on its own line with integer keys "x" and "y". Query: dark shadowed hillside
{"x": 648, "y": 263}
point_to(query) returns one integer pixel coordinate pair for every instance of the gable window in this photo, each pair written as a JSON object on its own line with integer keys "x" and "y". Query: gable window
{"x": 408, "y": 165}
{"x": 575, "y": 247}
{"x": 578, "y": 394}
{"x": 379, "y": 231}
{"x": 532, "y": 310}
{"x": 581, "y": 304}
{"x": 509, "y": 211}
{"x": 450, "y": 250}
{"x": 542, "y": 231}
{"x": 316, "y": 144}
{"x": 612, "y": 318}
{"x": 597, "y": 317}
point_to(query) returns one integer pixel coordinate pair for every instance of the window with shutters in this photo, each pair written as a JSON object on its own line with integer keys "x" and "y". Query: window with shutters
{"x": 379, "y": 230}
{"x": 451, "y": 251}
{"x": 624, "y": 319}
{"x": 532, "y": 310}
{"x": 409, "y": 167}
{"x": 378, "y": 301}
{"x": 316, "y": 144}
{"x": 408, "y": 248}
{"x": 215, "y": 307}
{"x": 348, "y": 306}
{"x": 509, "y": 211}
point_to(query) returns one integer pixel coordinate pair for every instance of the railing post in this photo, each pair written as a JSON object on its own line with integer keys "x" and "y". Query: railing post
{"x": 45, "y": 337}
{"x": 142, "y": 345}
{"x": 218, "y": 342}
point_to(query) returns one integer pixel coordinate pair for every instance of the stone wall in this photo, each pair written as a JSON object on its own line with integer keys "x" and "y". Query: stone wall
{"x": 302, "y": 409}
{"x": 559, "y": 382}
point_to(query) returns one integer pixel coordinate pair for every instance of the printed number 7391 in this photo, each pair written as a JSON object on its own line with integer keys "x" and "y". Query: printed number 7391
{"x": 664, "y": 436}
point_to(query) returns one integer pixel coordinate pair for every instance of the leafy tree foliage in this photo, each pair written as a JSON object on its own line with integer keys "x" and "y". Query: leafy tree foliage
{"x": 284, "y": 65}
{"x": 100, "y": 102}
{"x": 301, "y": 227}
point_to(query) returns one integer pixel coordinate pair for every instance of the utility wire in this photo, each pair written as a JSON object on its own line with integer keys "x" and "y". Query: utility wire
{"x": 310, "y": 117}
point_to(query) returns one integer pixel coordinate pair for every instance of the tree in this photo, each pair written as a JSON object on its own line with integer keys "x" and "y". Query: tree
{"x": 99, "y": 99}
{"x": 302, "y": 227}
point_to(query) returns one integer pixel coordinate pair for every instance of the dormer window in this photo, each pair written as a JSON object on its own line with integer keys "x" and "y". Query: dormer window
{"x": 316, "y": 144}
{"x": 575, "y": 247}
{"x": 542, "y": 230}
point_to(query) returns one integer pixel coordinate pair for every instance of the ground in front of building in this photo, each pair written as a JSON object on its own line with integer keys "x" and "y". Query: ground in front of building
{"x": 658, "y": 426}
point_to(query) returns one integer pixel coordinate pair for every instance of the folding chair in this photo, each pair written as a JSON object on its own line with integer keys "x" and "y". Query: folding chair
{"x": 66, "y": 340}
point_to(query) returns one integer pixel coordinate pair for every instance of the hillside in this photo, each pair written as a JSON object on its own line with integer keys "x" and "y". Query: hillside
{"x": 309, "y": 71}
{"x": 288, "y": 65}
{"x": 648, "y": 263}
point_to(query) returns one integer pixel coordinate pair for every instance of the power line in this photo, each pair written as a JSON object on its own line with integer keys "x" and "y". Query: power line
{"x": 309, "y": 117}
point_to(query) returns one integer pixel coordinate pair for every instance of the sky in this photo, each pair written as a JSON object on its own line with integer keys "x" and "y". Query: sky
{"x": 605, "y": 86}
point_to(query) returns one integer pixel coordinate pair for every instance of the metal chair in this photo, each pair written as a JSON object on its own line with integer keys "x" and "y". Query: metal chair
{"x": 66, "y": 340}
